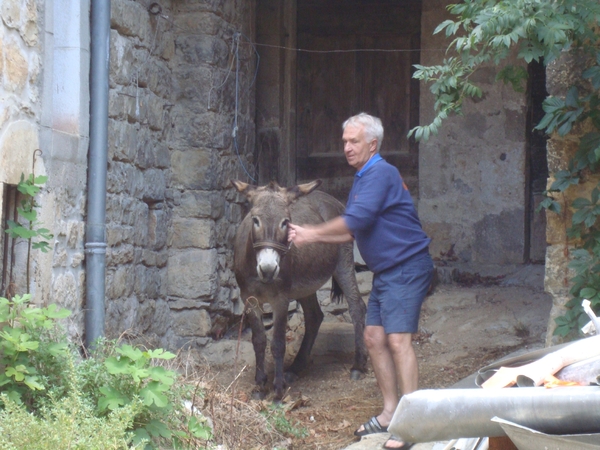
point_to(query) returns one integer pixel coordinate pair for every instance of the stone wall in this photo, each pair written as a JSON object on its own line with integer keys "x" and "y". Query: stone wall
{"x": 181, "y": 125}
{"x": 211, "y": 140}
{"x": 64, "y": 140}
{"x": 44, "y": 67}
{"x": 20, "y": 109}
{"x": 174, "y": 101}
{"x": 137, "y": 214}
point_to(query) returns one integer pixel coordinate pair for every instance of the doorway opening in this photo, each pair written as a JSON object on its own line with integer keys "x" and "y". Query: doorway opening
{"x": 537, "y": 166}
{"x": 357, "y": 56}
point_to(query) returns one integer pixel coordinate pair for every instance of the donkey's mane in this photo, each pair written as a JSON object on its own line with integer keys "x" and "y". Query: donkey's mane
{"x": 273, "y": 186}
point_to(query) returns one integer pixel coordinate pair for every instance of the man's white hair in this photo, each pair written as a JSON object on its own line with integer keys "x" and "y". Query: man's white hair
{"x": 372, "y": 125}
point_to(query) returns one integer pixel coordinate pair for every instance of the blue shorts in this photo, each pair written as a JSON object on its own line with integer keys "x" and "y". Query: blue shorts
{"x": 398, "y": 293}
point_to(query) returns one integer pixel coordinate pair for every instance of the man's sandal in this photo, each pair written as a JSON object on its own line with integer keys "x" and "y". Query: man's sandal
{"x": 405, "y": 445}
{"x": 370, "y": 427}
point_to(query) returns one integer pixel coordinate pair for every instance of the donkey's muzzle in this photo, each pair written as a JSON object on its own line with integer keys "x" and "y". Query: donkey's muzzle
{"x": 267, "y": 264}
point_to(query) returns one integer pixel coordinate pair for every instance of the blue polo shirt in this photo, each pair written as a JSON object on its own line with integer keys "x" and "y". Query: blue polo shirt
{"x": 382, "y": 217}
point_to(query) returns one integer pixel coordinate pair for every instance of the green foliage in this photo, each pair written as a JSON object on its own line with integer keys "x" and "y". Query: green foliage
{"x": 37, "y": 375}
{"x": 276, "y": 417}
{"x": 29, "y": 187}
{"x": 117, "y": 388}
{"x": 487, "y": 31}
{"x": 29, "y": 356}
{"x": 586, "y": 285}
{"x": 119, "y": 376}
{"x": 132, "y": 378}
{"x": 117, "y": 398}
{"x": 69, "y": 422}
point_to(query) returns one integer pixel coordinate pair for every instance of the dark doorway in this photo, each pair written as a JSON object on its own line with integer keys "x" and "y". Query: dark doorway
{"x": 537, "y": 165}
{"x": 355, "y": 55}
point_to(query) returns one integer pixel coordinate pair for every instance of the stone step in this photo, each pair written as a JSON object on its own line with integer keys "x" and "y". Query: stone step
{"x": 335, "y": 337}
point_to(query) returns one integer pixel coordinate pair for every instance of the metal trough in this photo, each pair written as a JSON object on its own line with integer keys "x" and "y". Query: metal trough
{"x": 527, "y": 439}
{"x": 442, "y": 414}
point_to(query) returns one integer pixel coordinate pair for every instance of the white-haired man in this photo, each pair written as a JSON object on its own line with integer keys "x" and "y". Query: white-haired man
{"x": 381, "y": 217}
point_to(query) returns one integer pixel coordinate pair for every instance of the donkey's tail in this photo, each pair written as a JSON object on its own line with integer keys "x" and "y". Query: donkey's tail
{"x": 336, "y": 291}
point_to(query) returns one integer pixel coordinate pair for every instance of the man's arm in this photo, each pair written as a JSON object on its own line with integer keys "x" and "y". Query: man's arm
{"x": 334, "y": 231}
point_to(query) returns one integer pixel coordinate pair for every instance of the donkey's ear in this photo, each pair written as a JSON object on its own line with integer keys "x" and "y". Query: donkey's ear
{"x": 302, "y": 189}
{"x": 243, "y": 188}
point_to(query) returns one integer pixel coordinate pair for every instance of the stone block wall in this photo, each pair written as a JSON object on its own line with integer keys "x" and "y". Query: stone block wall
{"x": 137, "y": 212}
{"x": 181, "y": 76}
{"x": 181, "y": 125}
{"x": 211, "y": 142}
{"x": 20, "y": 108}
{"x": 44, "y": 72}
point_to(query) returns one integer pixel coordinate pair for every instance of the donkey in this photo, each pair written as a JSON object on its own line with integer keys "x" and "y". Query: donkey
{"x": 269, "y": 270}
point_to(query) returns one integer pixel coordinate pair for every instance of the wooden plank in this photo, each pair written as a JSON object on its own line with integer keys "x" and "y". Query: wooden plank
{"x": 501, "y": 443}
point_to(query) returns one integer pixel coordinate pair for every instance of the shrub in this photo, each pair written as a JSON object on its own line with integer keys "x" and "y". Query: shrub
{"x": 60, "y": 400}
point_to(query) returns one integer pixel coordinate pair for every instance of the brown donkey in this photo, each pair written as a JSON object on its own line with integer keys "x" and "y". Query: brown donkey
{"x": 269, "y": 270}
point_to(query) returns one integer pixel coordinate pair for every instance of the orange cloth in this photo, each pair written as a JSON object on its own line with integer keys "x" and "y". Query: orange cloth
{"x": 551, "y": 382}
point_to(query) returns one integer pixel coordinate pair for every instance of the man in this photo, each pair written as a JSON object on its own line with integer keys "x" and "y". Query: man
{"x": 381, "y": 216}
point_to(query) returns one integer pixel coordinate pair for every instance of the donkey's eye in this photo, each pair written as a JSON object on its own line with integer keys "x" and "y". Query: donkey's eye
{"x": 284, "y": 223}
{"x": 256, "y": 222}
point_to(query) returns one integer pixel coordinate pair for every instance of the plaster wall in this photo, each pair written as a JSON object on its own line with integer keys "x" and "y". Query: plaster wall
{"x": 472, "y": 183}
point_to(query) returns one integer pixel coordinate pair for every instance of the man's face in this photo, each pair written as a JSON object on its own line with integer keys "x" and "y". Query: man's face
{"x": 356, "y": 147}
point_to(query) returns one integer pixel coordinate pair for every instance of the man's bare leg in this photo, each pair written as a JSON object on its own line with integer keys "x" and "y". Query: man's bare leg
{"x": 405, "y": 361}
{"x": 407, "y": 370}
{"x": 384, "y": 368}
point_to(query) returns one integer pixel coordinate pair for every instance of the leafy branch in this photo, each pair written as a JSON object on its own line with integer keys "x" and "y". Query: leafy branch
{"x": 36, "y": 235}
{"x": 489, "y": 31}
{"x": 21, "y": 343}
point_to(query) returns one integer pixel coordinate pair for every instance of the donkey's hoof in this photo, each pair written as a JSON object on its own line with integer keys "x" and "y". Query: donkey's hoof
{"x": 258, "y": 394}
{"x": 356, "y": 375}
{"x": 290, "y": 377}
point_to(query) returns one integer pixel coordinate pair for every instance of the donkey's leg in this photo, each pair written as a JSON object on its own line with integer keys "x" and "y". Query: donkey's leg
{"x": 280, "y": 309}
{"x": 259, "y": 343}
{"x": 345, "y": 276}
{"x": 313, "y": 316}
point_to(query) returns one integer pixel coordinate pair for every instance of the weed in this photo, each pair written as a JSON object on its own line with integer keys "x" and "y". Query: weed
{"x": 276, "y": 417}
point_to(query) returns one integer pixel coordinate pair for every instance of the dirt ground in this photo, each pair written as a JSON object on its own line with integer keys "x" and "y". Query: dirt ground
{"x": 462, "y": 329}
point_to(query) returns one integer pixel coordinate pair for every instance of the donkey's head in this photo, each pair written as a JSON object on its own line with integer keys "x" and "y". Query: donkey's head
{"x": 270, "y": 215}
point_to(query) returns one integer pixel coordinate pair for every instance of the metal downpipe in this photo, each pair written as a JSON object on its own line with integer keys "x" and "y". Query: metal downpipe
{"x": 441, "y": 414}
{"x": 95, "y": 236}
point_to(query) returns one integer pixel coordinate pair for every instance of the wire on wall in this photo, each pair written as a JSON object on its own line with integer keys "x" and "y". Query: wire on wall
{"x": 234, "y": 132}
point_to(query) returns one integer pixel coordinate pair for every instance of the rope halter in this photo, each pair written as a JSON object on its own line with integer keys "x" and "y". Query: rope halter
{"x": 281, "y": 248}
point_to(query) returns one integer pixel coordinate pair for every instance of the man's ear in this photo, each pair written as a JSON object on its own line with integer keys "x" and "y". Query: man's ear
{"x": 373, "y": 148}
